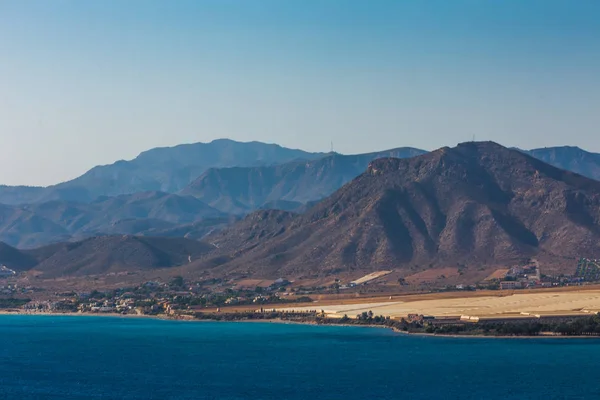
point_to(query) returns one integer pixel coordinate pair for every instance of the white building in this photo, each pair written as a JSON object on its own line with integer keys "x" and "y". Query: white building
{"x": 509, "y": 285}
{"x": 6, "y": 272}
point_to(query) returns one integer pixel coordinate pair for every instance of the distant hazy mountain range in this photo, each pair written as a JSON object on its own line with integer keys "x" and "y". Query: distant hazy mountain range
{"x": 105, "y": 254}
{"x": 571, "y": 159}
{"x": 146, "y": 213}
{"x": 191, "y": 190}
{"x": 289, "y": 186}
{"x": 161, "y": 169}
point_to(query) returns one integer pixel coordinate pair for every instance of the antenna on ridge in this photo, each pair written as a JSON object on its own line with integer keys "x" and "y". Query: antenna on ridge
{"x": 473, "y": 138}
{"x": 331, "y": 147}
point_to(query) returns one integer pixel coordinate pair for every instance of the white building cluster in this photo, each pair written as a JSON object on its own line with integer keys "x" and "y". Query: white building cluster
{"x": 6, "y": 272}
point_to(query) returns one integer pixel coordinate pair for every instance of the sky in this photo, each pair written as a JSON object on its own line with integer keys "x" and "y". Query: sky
{"x": 85, "y": 83}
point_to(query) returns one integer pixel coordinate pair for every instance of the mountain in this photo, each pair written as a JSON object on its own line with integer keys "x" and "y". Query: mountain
{"x": 289, "y": 186}
{"x": 241, "y": 178}
{"x": 241, "y": 190}
{"x": 570, "y": 158}
{"x": 15, "y": 259}
{"x": 172, "y": 169}
{"x": 475, "y": 206}
{"x": 19, "y": 194}
{"x": 286, "y": 205}
{"x": 167, "y": 169}
{"x": 195, "y": 230}
{"x": 146, "y": 213}
{"x": 102, "y": 255}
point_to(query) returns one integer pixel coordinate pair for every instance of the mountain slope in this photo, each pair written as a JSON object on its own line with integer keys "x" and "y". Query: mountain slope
{"x": 570, "y": 158}
{"x": 162, "y": 169}
{"x": 15, "y": 259}
{"x": 477, "y": 204}
{"x": 241, "y": 190}
{"x": 147, "y": 213}
{"x": 19, "y": 194}
{"x": 112, "y": 254}
{"x": 171, "y": 169}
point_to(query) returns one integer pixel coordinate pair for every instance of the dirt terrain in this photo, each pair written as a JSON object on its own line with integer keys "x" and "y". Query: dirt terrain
{"x": 573, "y": 300}
{"x": 476, "y": 207}
{"x": 481, "y": 304}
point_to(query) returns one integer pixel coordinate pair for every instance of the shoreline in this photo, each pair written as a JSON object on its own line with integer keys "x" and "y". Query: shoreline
{"x": 291, "y": 322}
{"x": 58, "y": 314}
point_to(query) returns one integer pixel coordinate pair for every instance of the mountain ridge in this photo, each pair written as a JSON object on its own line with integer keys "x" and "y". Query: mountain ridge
{"x": 170, "y": 169}
{"x": 103, "y": 255}
{"x": 72, "y": 213}
{"x": 475, "y": 207}
{"x": 243, "y": 189}
{"x": 166, "y": 169}
{"x": 475, "y": 204}
{"x": 145, "y": 213}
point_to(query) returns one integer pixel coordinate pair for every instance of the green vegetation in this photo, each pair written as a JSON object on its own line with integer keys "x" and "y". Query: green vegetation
{"x": 588, "y": 269}
{"x": 577, "y": 326}
{"x": 177, "y": 282}
{"x": 13, "y": 303}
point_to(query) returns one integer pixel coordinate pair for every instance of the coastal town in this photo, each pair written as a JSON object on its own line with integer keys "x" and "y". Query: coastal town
{"x": 340, "y": 301}
{"x": 292, "y": 200}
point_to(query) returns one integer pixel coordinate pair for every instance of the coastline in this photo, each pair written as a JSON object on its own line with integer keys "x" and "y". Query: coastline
{"x": 57, "y": 314}
{"x": 423, "y": 334}
{"x": 164, "y": 317}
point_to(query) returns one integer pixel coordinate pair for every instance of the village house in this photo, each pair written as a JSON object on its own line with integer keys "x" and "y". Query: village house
{"x": 6, "y": 272}
{"x": 510, "y": 285}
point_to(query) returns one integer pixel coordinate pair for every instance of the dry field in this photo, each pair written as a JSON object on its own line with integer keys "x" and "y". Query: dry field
{"x": 371, "y": 276}
{"x": 252, "y": 283}
{"x": 432, "y": 275}
{"x": 484, "y": 305}
{"x": 497, "y": 274}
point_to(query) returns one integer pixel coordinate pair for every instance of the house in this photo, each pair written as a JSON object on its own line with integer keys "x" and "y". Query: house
{"x": 280, "y": 282}
{"x": 5, "y": 272}
{"x": 510, "y": 285}
{"x": 414, "y": 317}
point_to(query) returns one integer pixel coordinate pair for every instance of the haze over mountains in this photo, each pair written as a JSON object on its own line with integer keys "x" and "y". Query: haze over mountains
{"x": 476, "y": 206}
{"x": 241, "y": 189}
{"x": 477, "y": 203}
{"x": 571, "y": 159}
{"x": 166, "y": 169}
{"x": 214, "y": 199}
{"x": 183, "y": 168}
{"x": 103, "y": 255}
{"x": 147, "y": 213}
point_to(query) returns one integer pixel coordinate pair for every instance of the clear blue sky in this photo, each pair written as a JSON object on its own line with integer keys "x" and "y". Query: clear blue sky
{"x": 90, "y": 82}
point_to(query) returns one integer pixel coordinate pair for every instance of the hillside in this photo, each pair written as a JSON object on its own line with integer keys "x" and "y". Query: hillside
{"x": 172, "y": 169}
{"x": 167, "y": 169}
{"x": 102, "y": 255}
{"x": 147, "y": 213}
{"x": 15, "y": 259}
{"x": 571, "y": 159}
{"x": 475, "y": 206}
{"x": 242, "y": 190}
{"x": 208, "y": 203}
{"x": 19, "y": 194}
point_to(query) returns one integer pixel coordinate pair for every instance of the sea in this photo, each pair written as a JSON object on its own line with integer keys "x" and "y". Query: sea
{"x": 76, "y": 357}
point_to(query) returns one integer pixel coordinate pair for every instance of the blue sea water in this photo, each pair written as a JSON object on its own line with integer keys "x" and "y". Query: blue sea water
{"x": 44, "y": 357}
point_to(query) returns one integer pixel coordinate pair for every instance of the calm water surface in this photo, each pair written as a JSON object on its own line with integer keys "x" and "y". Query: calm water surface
{"x": 43, "y": 357}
